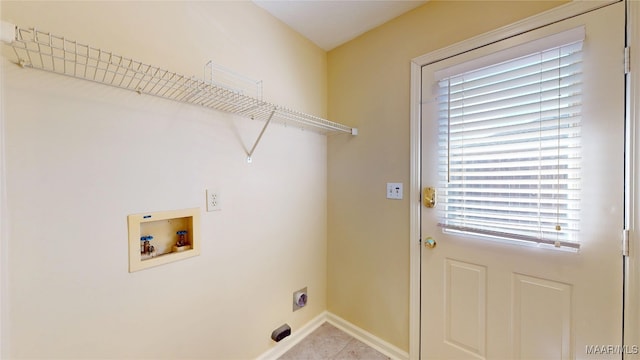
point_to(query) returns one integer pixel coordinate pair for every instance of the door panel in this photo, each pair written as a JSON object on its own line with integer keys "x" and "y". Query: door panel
{"x": 541, "y": 318}
{"x": 465, "y": 306}
{"x": 493, "y": 300}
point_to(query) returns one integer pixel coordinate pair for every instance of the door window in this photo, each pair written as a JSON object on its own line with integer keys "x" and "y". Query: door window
{"x": 510, "y": 144}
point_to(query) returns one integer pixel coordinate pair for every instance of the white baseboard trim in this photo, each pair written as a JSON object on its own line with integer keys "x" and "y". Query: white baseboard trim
{"x": 366, "y": 337}
{"x": 292, "y": 340}
{"x": 375, "y": 342}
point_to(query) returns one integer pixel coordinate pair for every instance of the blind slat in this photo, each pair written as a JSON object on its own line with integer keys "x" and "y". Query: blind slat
{"x": 531, "y": 83}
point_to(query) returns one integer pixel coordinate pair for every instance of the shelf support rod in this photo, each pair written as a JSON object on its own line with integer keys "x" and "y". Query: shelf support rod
{"x": 249, "y": 159}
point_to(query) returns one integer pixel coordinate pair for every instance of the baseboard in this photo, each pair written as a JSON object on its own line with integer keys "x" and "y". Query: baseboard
{"x": 375, "y": 342}
{"x": 292, "y": 340}
{"x": 366, "y": 337}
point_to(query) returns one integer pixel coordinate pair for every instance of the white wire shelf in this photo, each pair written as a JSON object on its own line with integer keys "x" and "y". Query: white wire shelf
{"x": 45, "y": 51}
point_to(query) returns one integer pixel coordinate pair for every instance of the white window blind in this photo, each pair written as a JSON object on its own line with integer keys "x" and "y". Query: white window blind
{"x": 509, "y": 147}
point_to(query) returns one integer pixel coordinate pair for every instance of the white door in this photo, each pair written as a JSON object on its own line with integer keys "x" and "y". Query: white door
{"x": 482, "y": 297}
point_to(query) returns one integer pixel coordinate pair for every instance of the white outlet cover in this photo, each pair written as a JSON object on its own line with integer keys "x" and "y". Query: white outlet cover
{"x": 213, "y": 200}
{"x": 394, "y": 191}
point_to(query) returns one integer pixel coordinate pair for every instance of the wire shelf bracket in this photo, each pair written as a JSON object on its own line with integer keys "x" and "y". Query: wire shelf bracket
{"x": 250, "y": 154}
{"x": 44, "y": 51}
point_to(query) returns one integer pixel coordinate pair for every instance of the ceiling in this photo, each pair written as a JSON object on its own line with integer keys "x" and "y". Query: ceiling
{"x": 330, "y": 23}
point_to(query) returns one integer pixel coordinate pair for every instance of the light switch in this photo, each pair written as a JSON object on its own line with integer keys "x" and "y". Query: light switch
{"x": 394, "y": 191}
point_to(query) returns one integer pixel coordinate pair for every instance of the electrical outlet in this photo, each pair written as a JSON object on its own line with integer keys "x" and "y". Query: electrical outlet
{"x": 213, "y": 200}
{"x": 299, "y": 299}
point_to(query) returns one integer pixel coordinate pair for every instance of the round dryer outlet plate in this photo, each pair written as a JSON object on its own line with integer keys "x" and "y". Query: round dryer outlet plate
{"x": 300, "y": 299}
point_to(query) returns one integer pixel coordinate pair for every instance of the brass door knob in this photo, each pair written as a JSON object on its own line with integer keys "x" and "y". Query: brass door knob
{"x": 430, "y": 243}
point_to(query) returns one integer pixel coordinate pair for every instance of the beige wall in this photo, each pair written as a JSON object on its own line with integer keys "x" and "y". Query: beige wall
{"x": 369, "y": 85}
{"x": 80, "y": 157}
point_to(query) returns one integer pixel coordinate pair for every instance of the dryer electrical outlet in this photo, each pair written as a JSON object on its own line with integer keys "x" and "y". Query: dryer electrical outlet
{"x": 300, "y": 299}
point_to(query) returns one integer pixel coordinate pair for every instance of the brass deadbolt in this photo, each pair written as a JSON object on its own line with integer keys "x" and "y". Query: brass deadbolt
{"x": 429, "y": 197}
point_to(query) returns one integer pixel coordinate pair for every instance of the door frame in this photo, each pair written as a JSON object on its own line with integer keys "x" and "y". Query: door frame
{"x": 574, "y": 8}
{"x": 631, "y": 314}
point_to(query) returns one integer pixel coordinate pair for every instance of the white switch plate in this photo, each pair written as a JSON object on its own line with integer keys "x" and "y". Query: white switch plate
{"x": 394, "y": 191}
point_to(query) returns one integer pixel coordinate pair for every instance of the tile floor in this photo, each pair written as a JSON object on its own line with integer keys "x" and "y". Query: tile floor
{"x": 329, "y": 342}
